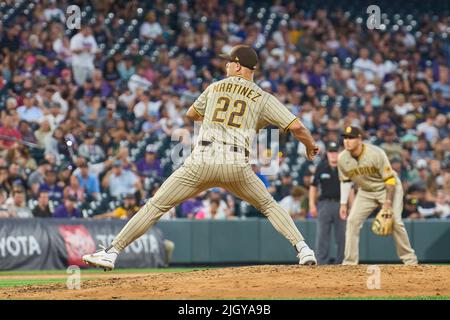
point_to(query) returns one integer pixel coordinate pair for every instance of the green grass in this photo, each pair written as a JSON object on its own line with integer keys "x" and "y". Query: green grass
{"x": 19, "y": 282}
{"x": 94, "y": 271}
{"x": 26, "y": 282}
{"x": 30, "y": 282}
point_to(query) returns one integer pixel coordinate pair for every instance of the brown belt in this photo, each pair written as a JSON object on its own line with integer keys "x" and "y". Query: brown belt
{"x": 233, "y": 148}
{"x": 365, "y": 190}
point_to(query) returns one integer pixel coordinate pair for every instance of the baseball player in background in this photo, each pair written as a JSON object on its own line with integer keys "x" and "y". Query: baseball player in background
{"x": 368, "y": 167}
{"x": 232, "y": 111}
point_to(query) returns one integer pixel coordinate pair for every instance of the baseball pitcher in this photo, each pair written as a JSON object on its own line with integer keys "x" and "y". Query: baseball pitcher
{"x": 232, "y": 111}
{"x": 368, "y": 167}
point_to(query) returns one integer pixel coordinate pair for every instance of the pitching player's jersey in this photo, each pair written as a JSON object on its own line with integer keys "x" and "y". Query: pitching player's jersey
{"x": 234, "y": 109}
{"x": 369, "y": 171}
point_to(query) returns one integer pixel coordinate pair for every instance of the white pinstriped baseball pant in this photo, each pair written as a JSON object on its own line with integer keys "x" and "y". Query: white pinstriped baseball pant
{"x": 193, "y": 178}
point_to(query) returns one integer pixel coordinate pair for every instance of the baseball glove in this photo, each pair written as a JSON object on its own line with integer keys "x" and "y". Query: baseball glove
{"x": 383, "y": 223}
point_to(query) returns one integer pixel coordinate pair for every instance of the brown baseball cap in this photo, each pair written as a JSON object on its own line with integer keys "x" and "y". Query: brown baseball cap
{"x": 352, "y": 132}
{"x": 244, "y": 55}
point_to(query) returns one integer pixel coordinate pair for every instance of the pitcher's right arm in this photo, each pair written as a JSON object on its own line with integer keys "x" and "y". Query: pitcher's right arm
{"x": 276, "y": 113}
{"x": 302, "y": 134}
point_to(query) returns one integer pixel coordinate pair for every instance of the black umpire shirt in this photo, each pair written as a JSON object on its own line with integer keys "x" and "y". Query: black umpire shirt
{"x": 326, "y": 178}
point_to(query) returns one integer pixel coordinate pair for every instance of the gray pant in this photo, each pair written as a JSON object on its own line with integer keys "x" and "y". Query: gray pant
{"x": 328, "y": 215}
{"x": 81, "y": 73}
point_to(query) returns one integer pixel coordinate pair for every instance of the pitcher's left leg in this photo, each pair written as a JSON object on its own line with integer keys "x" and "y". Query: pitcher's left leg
{"x": 183, "y": 184}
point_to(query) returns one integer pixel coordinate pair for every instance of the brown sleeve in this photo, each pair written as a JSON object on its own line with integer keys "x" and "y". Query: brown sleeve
{"x": 200, "y": 104}
{"x": 276, "y": 113}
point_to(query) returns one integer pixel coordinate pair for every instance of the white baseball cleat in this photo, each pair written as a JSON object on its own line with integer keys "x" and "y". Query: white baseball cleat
{"x": 102, "y": 259}
{"x": 306, "y": 257}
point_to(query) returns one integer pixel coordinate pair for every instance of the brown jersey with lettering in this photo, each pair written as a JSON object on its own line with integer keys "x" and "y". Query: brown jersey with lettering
{"x": 369, "y": 171}
{"x": 234, "y": 109}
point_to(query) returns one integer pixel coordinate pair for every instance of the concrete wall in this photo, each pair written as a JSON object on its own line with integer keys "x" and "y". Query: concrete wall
{"x": 256, "y": 241}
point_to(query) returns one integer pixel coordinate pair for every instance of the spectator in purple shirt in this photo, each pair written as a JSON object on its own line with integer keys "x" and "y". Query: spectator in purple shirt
{"x": 50, "y": 69}
{"x": 100, "y": 85}
{"x": 50, "y": 185}
{"x": 317, "y": 78}
{"x": 68, "y": 209}
{"x": 149, "y": 165}
{"x": 191, "y": 207}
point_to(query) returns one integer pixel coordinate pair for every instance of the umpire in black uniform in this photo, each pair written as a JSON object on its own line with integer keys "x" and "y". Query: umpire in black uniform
{"x": 326, "y": 180}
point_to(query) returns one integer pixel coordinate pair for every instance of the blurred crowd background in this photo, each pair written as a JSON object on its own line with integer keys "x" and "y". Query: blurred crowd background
{"x": 87, "y": 114}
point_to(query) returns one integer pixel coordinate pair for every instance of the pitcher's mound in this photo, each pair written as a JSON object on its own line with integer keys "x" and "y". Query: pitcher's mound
{"x": 260, "y": 282}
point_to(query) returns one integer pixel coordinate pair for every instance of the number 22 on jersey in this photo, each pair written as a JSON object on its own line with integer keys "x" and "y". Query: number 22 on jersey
{"x": 221, "y": 112}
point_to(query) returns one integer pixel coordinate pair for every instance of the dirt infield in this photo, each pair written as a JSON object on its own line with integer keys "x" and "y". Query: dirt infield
{"x": 260, "y": 282}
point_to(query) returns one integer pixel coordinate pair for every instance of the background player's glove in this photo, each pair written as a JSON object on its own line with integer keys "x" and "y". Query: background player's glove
{"x": 383, "y": 223}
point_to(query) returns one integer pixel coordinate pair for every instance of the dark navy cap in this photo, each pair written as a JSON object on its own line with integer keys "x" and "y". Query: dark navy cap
{"x": 332, "y": 146}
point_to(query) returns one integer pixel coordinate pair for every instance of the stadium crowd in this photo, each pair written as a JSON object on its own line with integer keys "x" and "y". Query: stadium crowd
{"x": 87, "y": 114}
